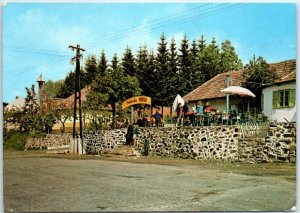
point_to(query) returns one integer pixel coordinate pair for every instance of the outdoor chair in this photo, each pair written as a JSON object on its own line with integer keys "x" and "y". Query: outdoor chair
{"x": 207, "y": 119}
{"x": 225, "y": 118}
{"x": 200, "y": 120}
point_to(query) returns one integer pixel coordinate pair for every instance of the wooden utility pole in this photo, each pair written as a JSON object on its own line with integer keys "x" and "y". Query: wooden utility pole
{"x": 77, "y": 94}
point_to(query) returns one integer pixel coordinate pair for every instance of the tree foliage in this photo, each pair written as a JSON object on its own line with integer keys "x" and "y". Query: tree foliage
{"x": 102, "y": 66}
{"x": 162, "y": 60}
{"x": 142, "y": 63}
{"x": 258, "y": 72}
{"x": 167, "y": 71}
{"x": 128, "y": 62}
{"x": 229, "y": 58}
{"x": 29, "y": 119}
{"x": 52, "y": 88}
{"x": 112, "y": 89}
{"x": 91, "y": 69}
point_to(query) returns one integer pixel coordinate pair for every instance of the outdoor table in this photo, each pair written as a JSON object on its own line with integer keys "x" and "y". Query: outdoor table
{"x": 225, "y": 118}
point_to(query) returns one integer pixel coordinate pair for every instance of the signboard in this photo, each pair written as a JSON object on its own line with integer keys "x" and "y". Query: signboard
{"x": 136, "y": 100}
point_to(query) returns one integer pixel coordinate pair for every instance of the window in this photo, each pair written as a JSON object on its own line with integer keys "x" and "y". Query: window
{"x": 284, "y": 98}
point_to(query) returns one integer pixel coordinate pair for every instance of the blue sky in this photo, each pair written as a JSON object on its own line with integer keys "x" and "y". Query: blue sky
{"x": 36, "y": 36}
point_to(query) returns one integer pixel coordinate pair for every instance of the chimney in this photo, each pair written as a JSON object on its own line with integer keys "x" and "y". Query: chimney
{"x": 17, "y": 97}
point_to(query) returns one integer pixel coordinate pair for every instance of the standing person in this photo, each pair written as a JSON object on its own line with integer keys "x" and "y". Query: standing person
{"x": 129, "y": 135}
{"x": 200, "y": 112}
{"x": 179, "y": 111}
{"x": 158, "y": 117}
{"x": 186, "y": 109}
{"x": 186, "y": 113}
{"x": 135, "y": 132}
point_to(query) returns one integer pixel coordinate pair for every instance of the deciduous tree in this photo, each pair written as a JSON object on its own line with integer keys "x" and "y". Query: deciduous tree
{"x": 258, "y": 72}
{"x": 112, "y": 89}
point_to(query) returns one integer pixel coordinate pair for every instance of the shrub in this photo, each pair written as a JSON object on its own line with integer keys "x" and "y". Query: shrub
{"x": 15, "y": 142}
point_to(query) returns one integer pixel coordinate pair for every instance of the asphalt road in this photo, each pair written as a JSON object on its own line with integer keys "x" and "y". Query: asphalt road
{"x": 66, "y": 184}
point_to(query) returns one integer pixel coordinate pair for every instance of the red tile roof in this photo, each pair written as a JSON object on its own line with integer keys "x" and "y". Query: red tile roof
{"x": 211, "y": 89}
{"x": 84, "y": 92}
{"x": 286, "y": 71}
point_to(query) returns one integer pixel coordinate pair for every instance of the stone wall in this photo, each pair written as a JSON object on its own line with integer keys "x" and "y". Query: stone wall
{"x": 205, "y": 143}
{"x": 278, "y": 146}
{"x": 191, "y": 142}
{"x": 51, "y": 140}
{"x": 104, "y": 140}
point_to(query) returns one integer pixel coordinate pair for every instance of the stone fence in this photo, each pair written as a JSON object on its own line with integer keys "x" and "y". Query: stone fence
{"x": 205, "y": 143}
{"x": 103, "y": 141}
{"x": 51, "y": 140}
{"x": 191, "y": 142}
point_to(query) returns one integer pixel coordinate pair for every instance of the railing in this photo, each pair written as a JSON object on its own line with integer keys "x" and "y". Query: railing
{"x": 251, "y": 129}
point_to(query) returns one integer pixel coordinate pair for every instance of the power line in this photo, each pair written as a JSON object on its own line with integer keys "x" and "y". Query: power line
{"x": 130, "y": 29}
{"x": 173, "y": 22}
{"x": 221, "y": 10}
{"x": 33, "y": 51}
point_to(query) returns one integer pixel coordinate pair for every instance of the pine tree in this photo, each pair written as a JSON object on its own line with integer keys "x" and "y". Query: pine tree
{"x": 128, "y": 62}
{"x": 90, "y": 67}
{"x": 141, "y": 63}
{"x": 162, "y": 59}
{"x": 173, "y": 72}
{"x": 114, "y": 62}
{"x": 202, "y": 44}
{"x": 185, "y": 67}
{"x": 68, "y": 86}
{"x": 151, "y": 84}
{"x": 195, "y": 69}
{"x": 102, "y": 66}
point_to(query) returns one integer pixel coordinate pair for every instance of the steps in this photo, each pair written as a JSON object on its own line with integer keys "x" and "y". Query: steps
{"x": 128, "y": 151}
{"x": 58, "y": 149}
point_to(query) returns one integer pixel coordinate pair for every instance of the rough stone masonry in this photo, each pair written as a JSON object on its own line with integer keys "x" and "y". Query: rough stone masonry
{"x": 204, "y": 143}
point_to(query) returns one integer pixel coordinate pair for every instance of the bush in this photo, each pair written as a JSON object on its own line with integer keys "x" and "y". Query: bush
{"x": 15, "y": 142}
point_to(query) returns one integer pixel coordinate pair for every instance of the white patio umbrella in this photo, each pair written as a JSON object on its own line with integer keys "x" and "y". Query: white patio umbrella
{"x": 237, "y": 90}
{"x": 177, "y": 100}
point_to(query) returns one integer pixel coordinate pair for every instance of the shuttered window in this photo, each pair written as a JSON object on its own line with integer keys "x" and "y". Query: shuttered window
{"x": 292, "y": 99}
{"x": 284, "y": 98}
{"x": 275, "y": 99}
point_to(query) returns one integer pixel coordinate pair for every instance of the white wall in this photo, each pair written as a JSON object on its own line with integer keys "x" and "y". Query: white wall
{"x": 278, "y": 114}
{"x": 219, "y": 103}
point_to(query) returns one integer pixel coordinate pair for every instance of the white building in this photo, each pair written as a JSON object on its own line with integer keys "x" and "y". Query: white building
{"x": 279, "y": 99}
{"x": 18, "y": 103}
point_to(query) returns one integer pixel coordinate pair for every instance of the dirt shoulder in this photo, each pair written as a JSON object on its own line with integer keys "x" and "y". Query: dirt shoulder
{"x": 257, "y": 169}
